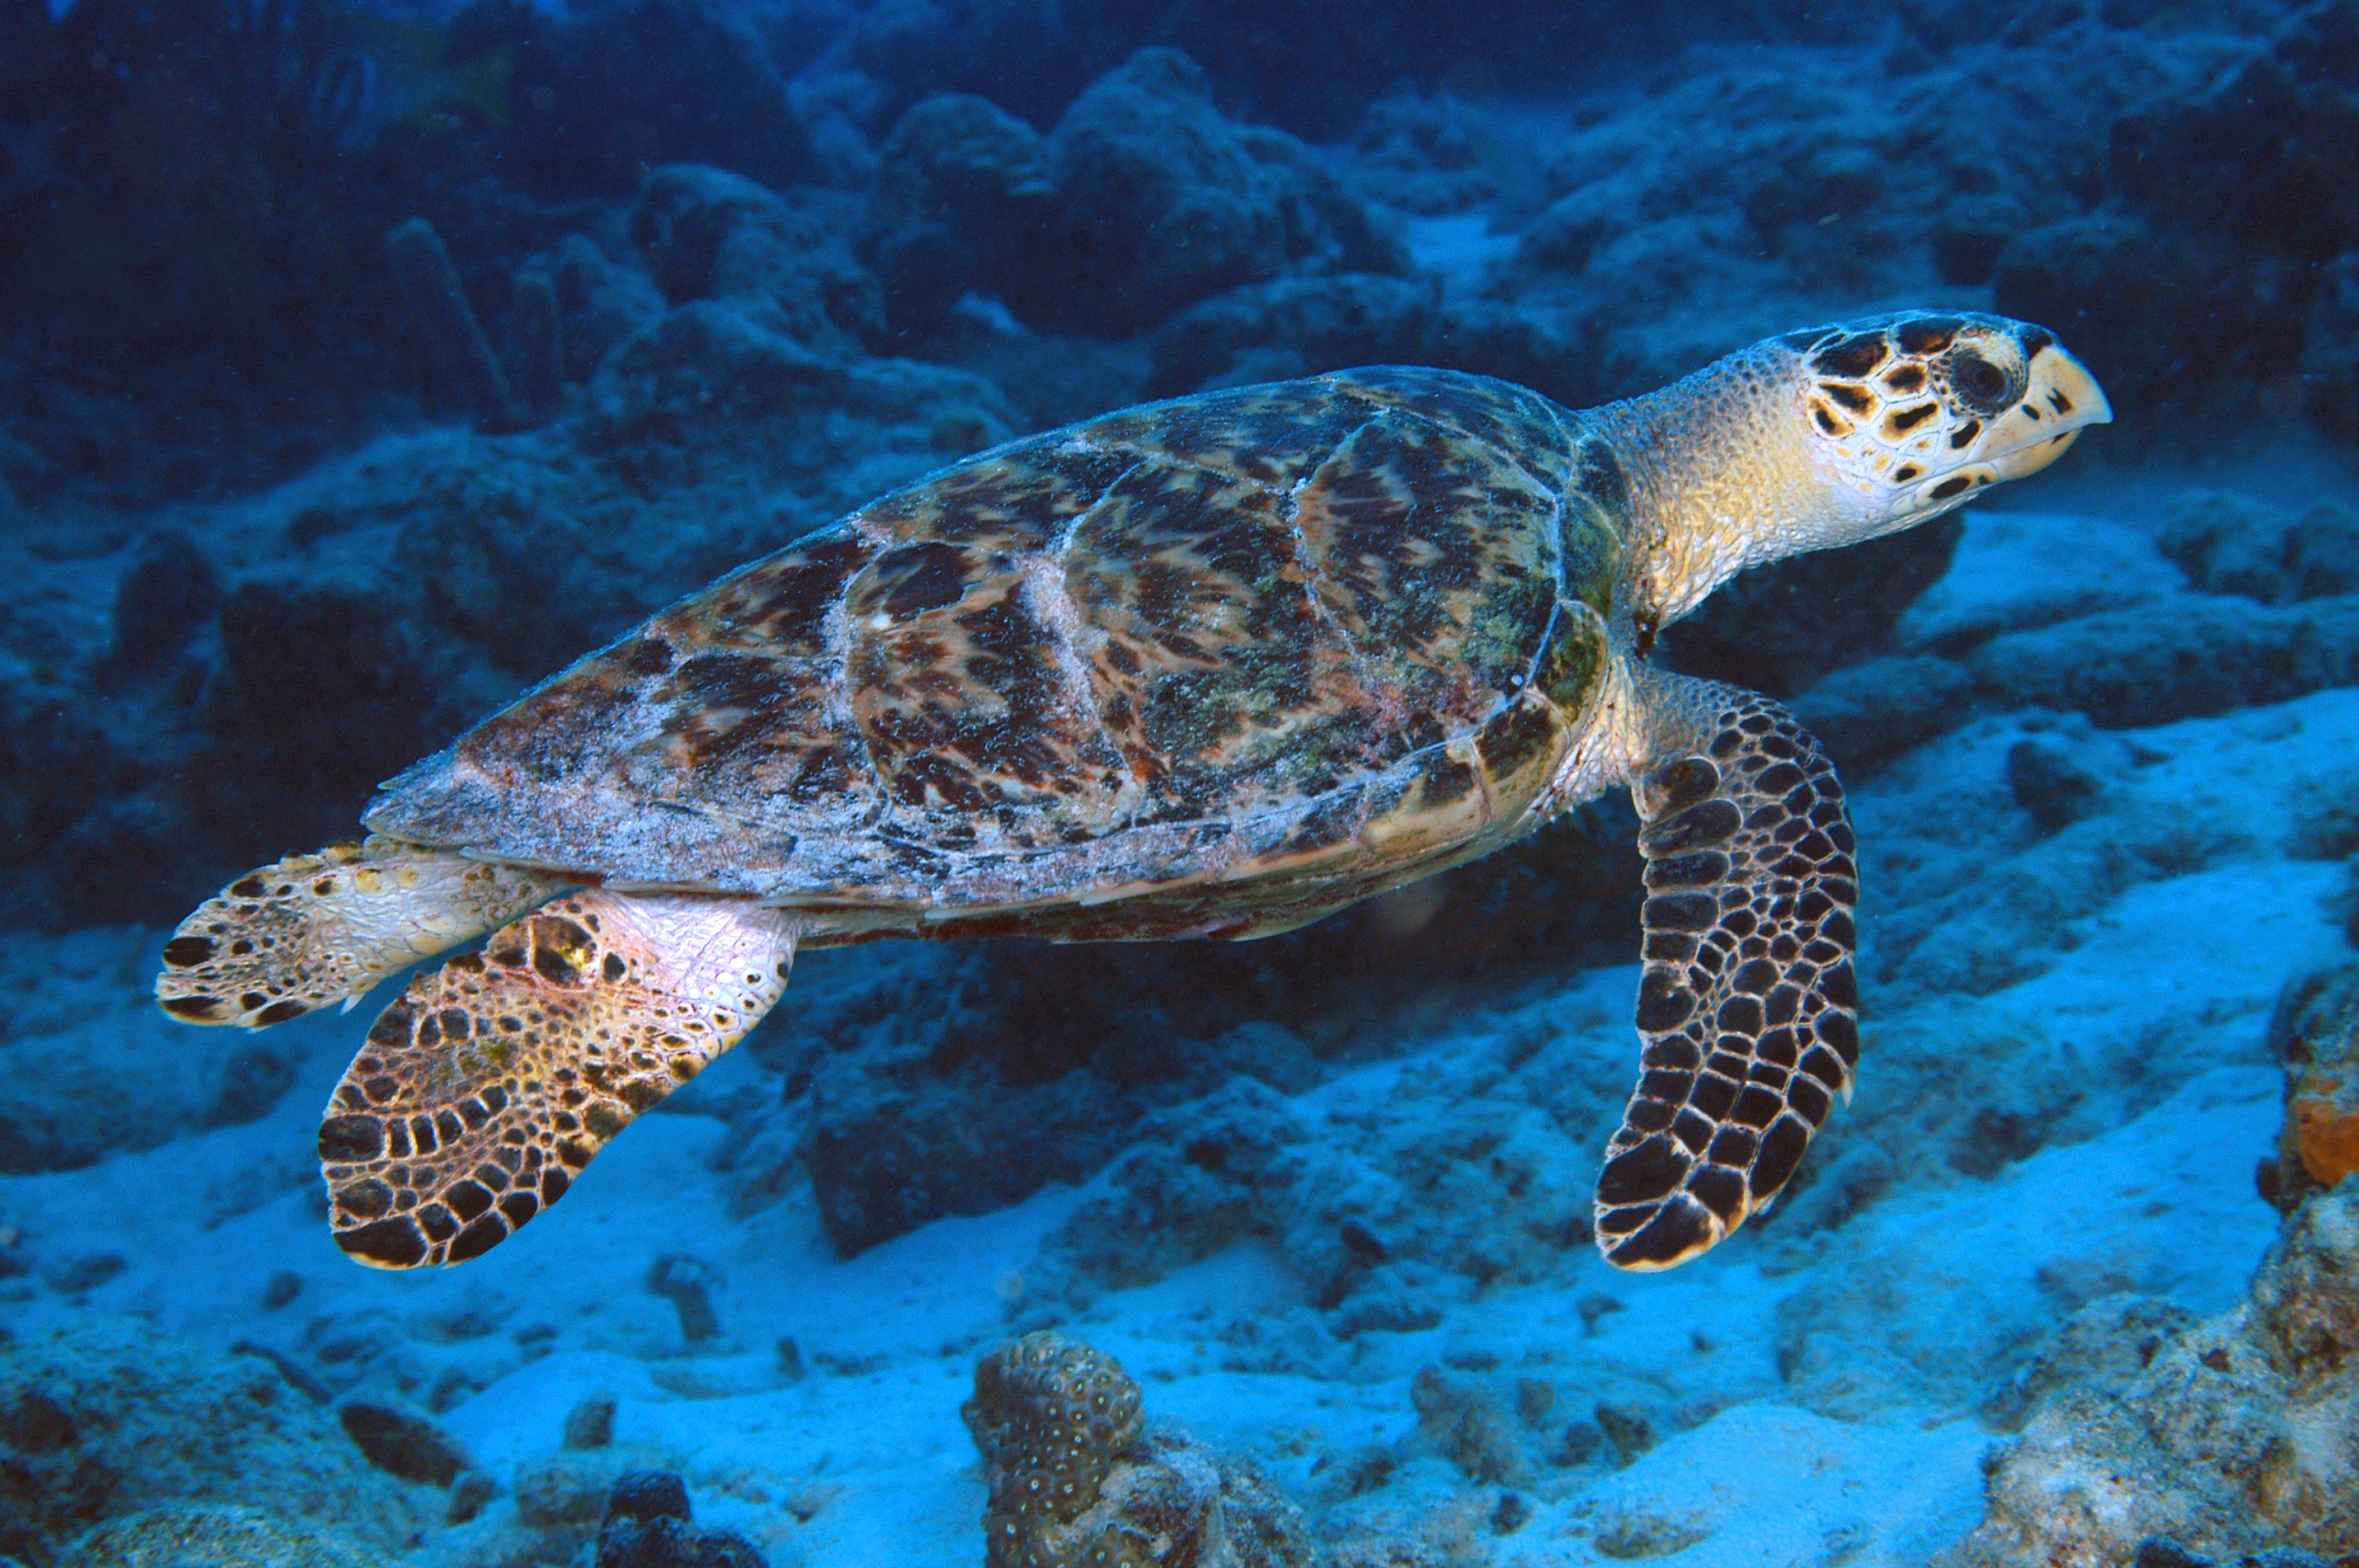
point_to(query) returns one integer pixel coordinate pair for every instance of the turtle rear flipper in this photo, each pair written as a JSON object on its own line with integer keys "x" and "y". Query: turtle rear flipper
{"x": 1747, "y": 1005}
{"x": 484, "y": 1091}
{"x": 315, "y": 929}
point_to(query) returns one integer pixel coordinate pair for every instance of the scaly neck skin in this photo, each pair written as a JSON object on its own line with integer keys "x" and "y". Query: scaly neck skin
{"x": 1720, "y": 477}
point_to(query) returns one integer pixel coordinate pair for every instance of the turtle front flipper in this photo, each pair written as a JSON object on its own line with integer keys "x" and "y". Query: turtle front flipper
{"x": 1748, "y": 1003}
{"x": 314, "y": 929}
{"x": 484, "y": 1091}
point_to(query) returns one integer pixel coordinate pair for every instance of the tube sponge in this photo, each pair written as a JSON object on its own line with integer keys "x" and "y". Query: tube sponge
{"x": 431, "y": 285}
{"x": 539, "y": 330}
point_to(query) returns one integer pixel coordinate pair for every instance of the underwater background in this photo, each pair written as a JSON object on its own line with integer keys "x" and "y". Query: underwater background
{"x": 362, "y": 364}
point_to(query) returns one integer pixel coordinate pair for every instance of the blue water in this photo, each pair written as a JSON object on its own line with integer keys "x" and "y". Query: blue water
{"x": 363, "y": 365}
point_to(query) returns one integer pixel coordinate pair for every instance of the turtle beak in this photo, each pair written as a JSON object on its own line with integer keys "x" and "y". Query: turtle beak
{"x": 2062, "y": 400}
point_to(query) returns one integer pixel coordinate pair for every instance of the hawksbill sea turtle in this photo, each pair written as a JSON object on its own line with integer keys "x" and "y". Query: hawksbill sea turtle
{"x": 1211, "y": 667}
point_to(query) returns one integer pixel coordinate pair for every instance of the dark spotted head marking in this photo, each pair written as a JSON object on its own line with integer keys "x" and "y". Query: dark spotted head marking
{"x": 188, "y": 952}
{"x": 197, "y": 1009}
{"x": 1900, "y": 421}
{"x": 1928, "y": 334}
{"x": 1855, "y": 356}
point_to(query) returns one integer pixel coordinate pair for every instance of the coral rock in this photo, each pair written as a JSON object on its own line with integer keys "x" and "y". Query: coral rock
{"x": 161, "y": 600}
{"x": 2228, "y": 543}
{"x": 709, "y": 235}
{"x": 961, "y": 193}
{"x": 437, "y": 302}
{"x": 1783, "y": 627}
{"x": 2156, "y": 664}
{"x": 210, "y": 1537}
{"x": 599, "y": 302}
{"x": 1167, "y": 201}
{"x": 2097, "y": 280}
{"x": 1429, "y": 156}
{"x": 111, "y": 1418}
{"x": 1469, "y": 1425}
{"x": 2102, "y": 1348}
{"x": 648, "y": 1525}
{"x": 1143, "y": 201}
{"x": 2235, "y": 1439}
{"x": 2307, "y": 1301}
{"x": 649, "y": 83}
{"x": 565, "y": 1489}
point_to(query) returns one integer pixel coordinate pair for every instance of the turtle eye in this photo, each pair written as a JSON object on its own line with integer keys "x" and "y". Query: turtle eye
{"x": 1981, "y": 383}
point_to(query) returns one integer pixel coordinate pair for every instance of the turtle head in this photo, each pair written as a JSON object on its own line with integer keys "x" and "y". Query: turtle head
{"x": 1908, "y": 416}
{"x": 1833, "y": 436}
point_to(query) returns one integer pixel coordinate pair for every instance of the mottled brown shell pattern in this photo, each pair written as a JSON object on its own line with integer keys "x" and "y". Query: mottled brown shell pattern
{"x": 1340, "y": 627}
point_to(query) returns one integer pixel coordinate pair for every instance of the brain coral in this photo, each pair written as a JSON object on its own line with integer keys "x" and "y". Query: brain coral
{"x": 1050, "y": 1417}
{"x": 1077, "y": 1483}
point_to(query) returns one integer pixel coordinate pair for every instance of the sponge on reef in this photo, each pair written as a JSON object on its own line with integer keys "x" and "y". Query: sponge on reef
{"x": 422, "y": 266}
{"x": 2317, "y": 1032}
